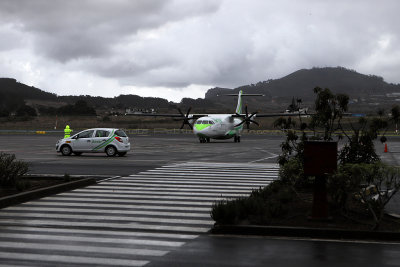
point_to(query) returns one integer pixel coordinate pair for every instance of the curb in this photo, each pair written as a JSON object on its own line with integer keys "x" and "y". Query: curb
{"x": 328, "y": 233}
{"x": 44, "y": 192}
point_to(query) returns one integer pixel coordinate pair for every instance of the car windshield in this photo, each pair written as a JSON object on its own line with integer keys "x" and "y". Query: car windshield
{"x": 120, "y": 133}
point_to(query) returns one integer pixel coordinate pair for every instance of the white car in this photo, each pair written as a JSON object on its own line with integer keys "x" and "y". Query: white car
{"x": 108, "y": 140}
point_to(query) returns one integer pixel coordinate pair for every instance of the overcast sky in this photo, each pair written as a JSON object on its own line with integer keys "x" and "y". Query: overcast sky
{"x": 181, "y": 48}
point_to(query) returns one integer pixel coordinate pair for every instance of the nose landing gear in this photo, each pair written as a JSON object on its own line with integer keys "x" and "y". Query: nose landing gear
{"x": 204, "y": 139}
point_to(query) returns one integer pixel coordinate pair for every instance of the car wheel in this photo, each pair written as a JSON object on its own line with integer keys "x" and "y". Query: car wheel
{"x": 111, "y": 151}
{"x": 77, "y": 153}
{"x": 121, "y": 154}
{"x": 66, "y": 150}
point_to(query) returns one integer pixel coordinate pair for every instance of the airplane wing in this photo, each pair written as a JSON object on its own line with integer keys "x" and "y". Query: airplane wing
{"x": 168, "y": 115}
{"x": 249, "y": 118}
{"x": 281, "y": 114}
{"x": 186, "y": 118}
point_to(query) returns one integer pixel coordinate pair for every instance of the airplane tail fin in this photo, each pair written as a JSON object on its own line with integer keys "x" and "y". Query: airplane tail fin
{"x": 239, "y": 106}
{"x": 239, "y": 103}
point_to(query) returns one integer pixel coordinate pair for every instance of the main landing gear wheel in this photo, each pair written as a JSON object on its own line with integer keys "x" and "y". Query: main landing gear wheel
{"x": 204, "y": 140}
{"x": 236, "y": 139}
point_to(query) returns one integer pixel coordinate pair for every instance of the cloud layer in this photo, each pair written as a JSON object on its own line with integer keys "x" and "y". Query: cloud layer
{"x": 180, "y": 48}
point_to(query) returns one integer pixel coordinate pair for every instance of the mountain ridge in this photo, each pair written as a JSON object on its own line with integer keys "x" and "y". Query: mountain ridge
{"x": 302, "y": 82}
{"x": 299, "y": 84}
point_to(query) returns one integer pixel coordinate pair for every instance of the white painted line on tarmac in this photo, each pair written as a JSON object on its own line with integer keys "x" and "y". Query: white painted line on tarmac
{"x": 85, "y": 248}
{"x": 123, "y": 219}
{"x": 128, "y": 191}
{"x": 150, "y": 184}
{"x": 131, "y": 226}
{"x": 116, "y": 195}
{"x": 113, "y": 211}
{"x": 83, "y": 201}
{"x": 103, "y": 240}
{"x": 42, "y": 203}
{"x": 54, "y": 258}
{"x": 63, "y": 231}
{"x": 273, "y": 155}
{"x": 260, "y": 182}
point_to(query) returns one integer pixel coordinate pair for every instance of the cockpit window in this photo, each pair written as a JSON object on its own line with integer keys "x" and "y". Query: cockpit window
{"x": 204, "y": 122}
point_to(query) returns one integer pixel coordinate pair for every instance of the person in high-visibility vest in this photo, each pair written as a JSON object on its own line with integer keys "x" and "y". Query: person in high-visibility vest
{"x": 67, "y": 132}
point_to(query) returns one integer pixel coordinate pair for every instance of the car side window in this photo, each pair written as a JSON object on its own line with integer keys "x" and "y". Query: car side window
{"x": 86, "y": 134}
{"x": 102, "y": 133}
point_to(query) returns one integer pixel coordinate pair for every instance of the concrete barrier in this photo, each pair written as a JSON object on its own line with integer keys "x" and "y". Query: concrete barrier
{"x": 43, "y": 192}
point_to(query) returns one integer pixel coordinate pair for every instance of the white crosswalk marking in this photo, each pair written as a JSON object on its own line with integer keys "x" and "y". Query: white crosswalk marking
{"x": 127, "y": 221}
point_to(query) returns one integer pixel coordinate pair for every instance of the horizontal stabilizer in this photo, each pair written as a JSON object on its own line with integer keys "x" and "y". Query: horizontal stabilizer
{"x": 244, "y": 95}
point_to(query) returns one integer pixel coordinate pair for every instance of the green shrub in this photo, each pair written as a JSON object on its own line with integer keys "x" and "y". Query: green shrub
{"x": 11, "y": 169}
{"x": 292, "y": 173}
{"x": 374, "y": 184}
{"x": 263, "y": 205}
{"x": 224, "y": 212}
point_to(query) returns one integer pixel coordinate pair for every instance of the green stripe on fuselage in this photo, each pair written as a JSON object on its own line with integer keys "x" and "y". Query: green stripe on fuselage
{"x": 200, "y": 127}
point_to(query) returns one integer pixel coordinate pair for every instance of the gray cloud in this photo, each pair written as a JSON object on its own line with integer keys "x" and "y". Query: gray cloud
{"x": 179, "y": 43}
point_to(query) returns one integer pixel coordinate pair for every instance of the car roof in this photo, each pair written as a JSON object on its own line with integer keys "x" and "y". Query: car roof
{"x": 104, "y": 129}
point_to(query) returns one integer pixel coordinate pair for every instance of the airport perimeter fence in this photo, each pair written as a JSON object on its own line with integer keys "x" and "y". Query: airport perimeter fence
{"x": 158, "y": 131}
{"x": 154, "y": 131}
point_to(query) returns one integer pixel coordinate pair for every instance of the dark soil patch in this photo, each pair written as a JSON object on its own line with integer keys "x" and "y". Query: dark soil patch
{"x": 28, "y": 184}
{"x": 298, "y": 215}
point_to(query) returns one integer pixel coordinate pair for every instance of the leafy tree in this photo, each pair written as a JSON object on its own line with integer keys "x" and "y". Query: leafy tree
{"x": 380, "y": 183}
{"x": 81, "y": 108}
{"x": 26, "y": 111}
{"x": 329, "y": 110}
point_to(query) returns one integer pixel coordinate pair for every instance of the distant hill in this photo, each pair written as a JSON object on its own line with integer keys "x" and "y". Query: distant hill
{"x": 13, "y": 95}
{"x": 278, "y": 93}
{"x": 302, "y": 82}
{"x": 11, "y": 86}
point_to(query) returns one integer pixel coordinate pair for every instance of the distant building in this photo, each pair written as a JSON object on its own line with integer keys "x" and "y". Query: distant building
{"x": 130, "y": 111}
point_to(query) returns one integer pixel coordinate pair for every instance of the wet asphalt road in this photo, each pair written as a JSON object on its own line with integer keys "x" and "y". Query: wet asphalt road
{"x": 153, "y": 151}
{"x": 147, "y": 152}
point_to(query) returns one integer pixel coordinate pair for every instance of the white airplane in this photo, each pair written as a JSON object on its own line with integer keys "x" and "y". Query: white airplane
{"x": 218, "y": 126}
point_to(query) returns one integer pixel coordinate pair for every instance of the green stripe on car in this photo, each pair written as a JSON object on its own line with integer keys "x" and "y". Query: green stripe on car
{"x": 105, "y": 142}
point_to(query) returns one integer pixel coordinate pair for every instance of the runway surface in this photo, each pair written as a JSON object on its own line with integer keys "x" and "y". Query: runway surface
{"x": 148, "y": 151}
{"x": 152, "y": 208}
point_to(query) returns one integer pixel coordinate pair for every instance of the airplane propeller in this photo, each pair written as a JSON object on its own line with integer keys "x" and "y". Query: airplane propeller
{"x": 185, "y": 118}
{"x": 247, "y": 119}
